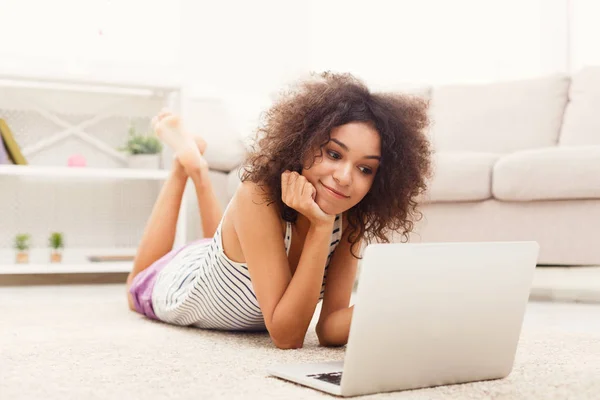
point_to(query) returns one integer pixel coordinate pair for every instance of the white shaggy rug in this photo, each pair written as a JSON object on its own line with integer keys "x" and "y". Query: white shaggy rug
{"x": 81, "y": 342}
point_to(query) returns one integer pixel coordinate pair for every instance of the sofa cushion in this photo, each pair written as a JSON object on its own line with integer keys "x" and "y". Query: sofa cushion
{"x": 499, "y": 117}
{"x": 582, "y": 117}
{"x": 548, "y": 174}
{"x": 460, "y": 176}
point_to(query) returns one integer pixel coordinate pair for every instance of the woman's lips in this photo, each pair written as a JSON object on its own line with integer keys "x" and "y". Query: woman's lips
{"x": 333, "y": 192}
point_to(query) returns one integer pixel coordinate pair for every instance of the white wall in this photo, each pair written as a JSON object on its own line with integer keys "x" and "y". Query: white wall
{"x": 101, "y": 39}
{"x": 240, "y": 52}
{"x": 236, "y": 46}
{"x": 392, "y": 42}
{"x": 235, "y": 55}
{"x": 585, "y": 31}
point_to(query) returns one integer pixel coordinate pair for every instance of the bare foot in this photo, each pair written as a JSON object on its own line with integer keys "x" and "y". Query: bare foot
{"x": 198, "y": 139}
{"x": 177, "y": 167}
{"x": 169, "y": 129}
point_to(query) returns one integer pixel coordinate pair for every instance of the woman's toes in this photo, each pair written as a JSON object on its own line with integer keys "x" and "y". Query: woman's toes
{"x": 159, "y": 117}
{"x": 163, "y": 114}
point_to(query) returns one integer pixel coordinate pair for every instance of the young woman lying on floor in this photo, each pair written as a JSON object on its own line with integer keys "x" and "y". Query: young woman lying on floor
{"x": 335, "y": 166}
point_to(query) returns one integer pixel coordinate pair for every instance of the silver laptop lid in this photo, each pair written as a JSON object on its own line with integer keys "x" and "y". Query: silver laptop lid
{"x": 437, "y": 313}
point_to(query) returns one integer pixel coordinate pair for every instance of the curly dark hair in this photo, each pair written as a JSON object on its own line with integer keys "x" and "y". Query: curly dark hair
{"x": 301, "y": 121}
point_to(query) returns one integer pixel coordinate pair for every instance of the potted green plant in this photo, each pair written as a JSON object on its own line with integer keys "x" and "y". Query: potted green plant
{"x": 22, "y": 247}
{"x": 143, "y": 149}
{"x": 57, "y": 243}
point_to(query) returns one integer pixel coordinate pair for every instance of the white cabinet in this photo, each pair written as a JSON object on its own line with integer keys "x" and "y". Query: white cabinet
{"x": 101, "y": 208}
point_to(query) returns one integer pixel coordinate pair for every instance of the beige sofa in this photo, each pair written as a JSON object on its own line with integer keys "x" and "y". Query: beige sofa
{"x": 514, "y": 161}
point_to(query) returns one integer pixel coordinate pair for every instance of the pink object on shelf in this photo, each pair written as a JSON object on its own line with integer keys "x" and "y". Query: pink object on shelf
{"x": 77, "y": 160}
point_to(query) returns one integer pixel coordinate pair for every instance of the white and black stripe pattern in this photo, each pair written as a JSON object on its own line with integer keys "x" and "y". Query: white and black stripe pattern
{"x": 201, "y": 286}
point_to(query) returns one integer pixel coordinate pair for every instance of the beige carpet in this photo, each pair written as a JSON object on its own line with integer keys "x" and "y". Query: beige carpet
{"x": 80, "y": 342}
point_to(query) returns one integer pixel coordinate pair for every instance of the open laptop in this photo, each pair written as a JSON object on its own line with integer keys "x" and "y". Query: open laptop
{"x": 429, "y": 314}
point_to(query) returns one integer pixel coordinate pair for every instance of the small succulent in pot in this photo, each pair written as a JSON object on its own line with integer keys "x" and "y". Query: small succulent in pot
{"x": 144, "y": 150}
{"x": 57, "y": 244}
{"x": 21, "y": 245}
{"x": 142, "y": 143}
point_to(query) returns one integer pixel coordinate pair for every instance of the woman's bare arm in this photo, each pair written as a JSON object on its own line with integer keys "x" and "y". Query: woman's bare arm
{"x": 335, "y": 329}
{"x": 287, "y": 303}
{"x": 334, "y": 322}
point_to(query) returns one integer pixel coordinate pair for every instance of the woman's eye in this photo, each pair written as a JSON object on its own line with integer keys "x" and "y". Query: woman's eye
{"x": 334, "y": 155}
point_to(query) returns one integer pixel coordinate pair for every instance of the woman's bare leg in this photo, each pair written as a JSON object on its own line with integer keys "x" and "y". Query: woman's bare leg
{"x": 159, "y": 234}
{"x": 189, "y": 151}
{"x": 208, "y": 204}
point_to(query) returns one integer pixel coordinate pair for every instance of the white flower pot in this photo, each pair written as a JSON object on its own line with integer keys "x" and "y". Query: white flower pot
{"x": 144, "y": 161}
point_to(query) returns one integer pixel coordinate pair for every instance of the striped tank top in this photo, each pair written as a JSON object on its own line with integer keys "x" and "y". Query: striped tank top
{"x": 202, "y": 287}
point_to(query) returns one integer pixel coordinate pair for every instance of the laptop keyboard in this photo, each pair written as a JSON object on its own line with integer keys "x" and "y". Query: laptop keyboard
{"x": 331, "y": 377}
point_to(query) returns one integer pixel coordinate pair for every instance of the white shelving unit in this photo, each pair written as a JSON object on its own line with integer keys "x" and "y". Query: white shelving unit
{"x": 75, "y": 261}
{"x": 81, "y": 172}
{"x": 80, "y": 268}
{"x": 47, "y": 195}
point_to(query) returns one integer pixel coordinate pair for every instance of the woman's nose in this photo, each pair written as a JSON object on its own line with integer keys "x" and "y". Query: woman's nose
{"x": 343, "y": 175}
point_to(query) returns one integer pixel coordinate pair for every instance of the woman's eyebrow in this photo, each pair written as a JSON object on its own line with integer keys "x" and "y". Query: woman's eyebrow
{"x": 343, "y": 146}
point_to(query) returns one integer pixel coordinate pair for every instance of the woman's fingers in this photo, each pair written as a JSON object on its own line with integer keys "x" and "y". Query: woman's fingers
{"x": 289, "y": 181}
{"x": 297, "y": 192}
{"x": 285, "y": 179}
{"x": 293, "y": 188}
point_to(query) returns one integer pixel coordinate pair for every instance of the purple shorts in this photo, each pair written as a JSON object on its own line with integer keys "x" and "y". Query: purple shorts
{"x": 143, "y": 283}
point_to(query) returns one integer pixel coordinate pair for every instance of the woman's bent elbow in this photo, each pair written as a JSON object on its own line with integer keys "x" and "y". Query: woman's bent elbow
{"x": 287, "y": 339}
{"x": 284, "y": 345}
{"x": 328, "y": 342}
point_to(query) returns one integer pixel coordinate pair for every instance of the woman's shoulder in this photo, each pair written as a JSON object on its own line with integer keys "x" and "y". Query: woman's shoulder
{"x": 250, "y": 188}
{"x": 254, "y": 200}
{"x": 251, "y": 193}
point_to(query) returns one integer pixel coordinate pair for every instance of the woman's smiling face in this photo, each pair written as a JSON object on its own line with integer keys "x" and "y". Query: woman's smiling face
{"x": 345, "y": 172}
